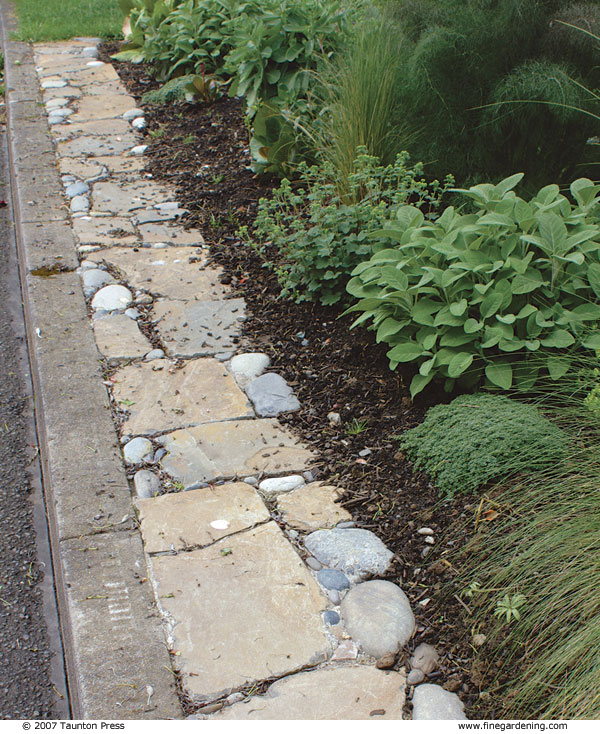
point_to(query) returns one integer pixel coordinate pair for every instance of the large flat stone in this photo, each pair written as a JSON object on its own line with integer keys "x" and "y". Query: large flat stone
{"x": 106, "y": 231}
{"x": 199, "y": 328}
{"x": 170, "y": 234}
{"x": 119, "y": 337}
{"x": 242, "y": 610}
{"x": 165, "y": 398}
{"x": 92, "y": 75}
{"x": 84, "y": 169}
{"x": 183, "y": 520}
{"x": 173, "y": 272}
{"x": 99, "y": 107}
{"x": 232, "y": 449}
{"x": 127, "y": 197}
{"x": 125, "y": 166}
{"x": 101, "y": 127}
{"x": 86, "y": 145}
{"x": 118, "y": 644}
{"x": 312, "y": 507}
{"x": 271, "y": 395}
{"x": 338, "y": 694}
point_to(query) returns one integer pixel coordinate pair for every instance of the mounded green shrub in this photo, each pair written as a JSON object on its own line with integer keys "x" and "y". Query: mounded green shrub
{"x": 321, "y": 235}
{"x": 467, "y": 295}
{"x": 479, "y": 438}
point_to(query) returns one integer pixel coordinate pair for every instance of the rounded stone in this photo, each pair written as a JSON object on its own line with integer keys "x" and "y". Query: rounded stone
{"x": 53, "y": 83}
{"x": 56, "y": 102}
{"x": 358, "y": 553}
{"x": 415, "y": 677}
{"x": 378, "y": 617}
{"x": 146, "y": 484}
{"x": 331, "y": 578}
{"x": 425, "y": 658}
{"x": 132, "y": 114}
{"x": 94, "y": 279}
{"x": 433, "y": 703}
{"x": 139, "y": 123}
{"x": 112, "y": 298}
{"x": 314, "y": 564}
{"x": 154, "y": 354}
{"x": 276, "y": 485}
{"x": 137, "y": 450}
{"x": 331, "y": 618}
{"x": 90, "y": 52}
{"x": 133, "y": 314}
{"x": 271, "y": 395}
{"x": 247, "y": 366}
{"x": 80, "y": 204}
{"x": 252, "y": 481}
{"x": 76, "y": 189}
{"x": 138, "y": 150}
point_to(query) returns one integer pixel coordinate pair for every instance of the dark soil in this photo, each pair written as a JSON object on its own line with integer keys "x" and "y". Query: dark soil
{"x": 203, "y": 152}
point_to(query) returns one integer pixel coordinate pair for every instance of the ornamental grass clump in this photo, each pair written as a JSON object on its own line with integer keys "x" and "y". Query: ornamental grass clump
{"x": 465, "y": 296}
{"x": 479, "y": 438}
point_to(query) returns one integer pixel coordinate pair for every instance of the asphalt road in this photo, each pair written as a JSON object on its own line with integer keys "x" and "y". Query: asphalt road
{"x": 31, "y": 674}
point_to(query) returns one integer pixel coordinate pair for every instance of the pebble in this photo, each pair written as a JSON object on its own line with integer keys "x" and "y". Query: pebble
{"x": 95, "y": 63}
{"x": 425, "y": 658}
{"x": 308, "y": 476}
{"x": 331, "y": 618}
{"x": 154, "y": 354}
{"x": 80, "y": 204}
{"x": 146, "y": 484}
{"x": 313, "y": 563}
{"x": 235, "y": 698}
{"x": 386, "y": 661}
{"x": 88, "y": 265}
{"x": 53, "y": 83}
{"x": 249, "y": 366}
{"x": 429, "y": 540}
{"x": 159, "y": 453}
{"x": 378, "y": 616}
{"x": 133, "y": 313}
{"x": 167, "y": 206}
{"x": 137, "y": 450}
{"x": 143, "y": 299}
{"x": 334, "y": 597}
{"x": 433, "y": 703}
{"x": 271, "y": 395}
{"x": 159, "y": 246}
{"x": 112, "y": 298}
{"x": 331, "y": 578}
{"x": 139, "y": 123}
{"x": 293, "y": 534}
{"x": 415, "y": 677}
{"x": 346, "y": 650}
{"x": 55, "y": 119}
{"x": 334, "y": 419}
{"x": 276, "y": 485}
{"x": 132, "y": 114}
{"x": 94, "y": 279}
{"x": 346, "y": 524}
{"x": 253, "y": 481}
{"x": 76, "y": 189}
{"x": 478, "y": 640}
{"x": 358, "y": 553}
{"x": 425, "y": 531}
{"x": 138, "y": 150}
{"x": 62, "y": 111}
{"x": 91, "y": 52}
{"x": 365, "y": 452}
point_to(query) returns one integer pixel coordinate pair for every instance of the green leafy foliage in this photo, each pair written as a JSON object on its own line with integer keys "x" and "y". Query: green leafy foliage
{"x": 320, "y": 236}
{"x": 479, "y": 438}
{"x": 461, "y": 295}
{"x": 484, "y": 79}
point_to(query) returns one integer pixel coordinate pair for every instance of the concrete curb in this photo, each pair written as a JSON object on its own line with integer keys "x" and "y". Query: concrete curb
{"x": 116, "y": 658}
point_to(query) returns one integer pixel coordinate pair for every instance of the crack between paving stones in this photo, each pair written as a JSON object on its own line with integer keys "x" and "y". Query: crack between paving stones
{"x": 198, "y": 546}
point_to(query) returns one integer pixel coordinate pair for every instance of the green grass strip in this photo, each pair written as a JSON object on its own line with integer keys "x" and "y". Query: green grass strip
{"x": 55, "y": 20}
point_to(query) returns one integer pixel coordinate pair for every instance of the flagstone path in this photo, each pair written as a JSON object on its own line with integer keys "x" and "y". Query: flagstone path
{"x": 227, "y": 506}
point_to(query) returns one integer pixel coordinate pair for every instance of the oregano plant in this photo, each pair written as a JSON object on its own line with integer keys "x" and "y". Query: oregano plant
{"x": 461, "y": 295}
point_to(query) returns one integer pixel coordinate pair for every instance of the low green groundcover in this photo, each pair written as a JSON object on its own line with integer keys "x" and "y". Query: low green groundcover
{"x": 477, "y": 438}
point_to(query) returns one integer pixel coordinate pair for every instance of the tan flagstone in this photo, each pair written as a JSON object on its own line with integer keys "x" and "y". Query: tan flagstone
{"x": 99, "y": 107}
{"x": 83, "y": 169}
{"x": 312, "y": 506}
{"x": 170, "y": 235}
{"x": 93, "y": 75}
{"x": 232, "y": 449}
{"x": 171, "y": 272}
{"x": 200, "y": 517}
{"x": 87, "y": 145}
{"x": 116, "y": 198}
{"x": 71, "y": 130}
{"x": 241, "y": 610}
{"x": 119, "y": 337}
{"x": 60, "y": 92}
{"x": 160, "y": 397}
{"x": 338, "y": 694}
{"x": 104, "y": 231}
{"x": 121, "y": 164}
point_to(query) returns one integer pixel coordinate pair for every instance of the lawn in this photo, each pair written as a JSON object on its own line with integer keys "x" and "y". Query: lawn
{"x": 54, "y": 20}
